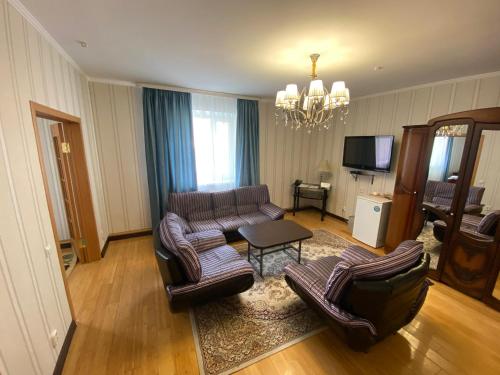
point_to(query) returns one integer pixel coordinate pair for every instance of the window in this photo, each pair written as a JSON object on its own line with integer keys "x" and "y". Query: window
{"x": 214, "y": 129}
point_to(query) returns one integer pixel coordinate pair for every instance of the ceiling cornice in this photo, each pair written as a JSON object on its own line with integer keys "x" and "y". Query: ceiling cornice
{"x": 17, "y": 5}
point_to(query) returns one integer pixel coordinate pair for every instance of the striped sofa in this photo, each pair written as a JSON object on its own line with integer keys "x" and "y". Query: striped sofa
{"x": 225, "y": 211}
{"x": 197, "y": 267}
{"x": 363, "y": 296}
{"x": 481, "y": 227}
{"x": 440, "y": 193}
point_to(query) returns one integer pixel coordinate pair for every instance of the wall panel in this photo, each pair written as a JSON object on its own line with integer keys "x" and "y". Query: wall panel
{"x": 385, "y": 113}
{"x": 120, "y": 142}
{"x": 33, "y": 301}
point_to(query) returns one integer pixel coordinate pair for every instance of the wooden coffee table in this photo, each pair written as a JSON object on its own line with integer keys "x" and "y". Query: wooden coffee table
{"x": 268, "y": 236}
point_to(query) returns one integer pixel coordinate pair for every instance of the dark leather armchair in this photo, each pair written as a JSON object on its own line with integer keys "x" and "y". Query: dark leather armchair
{"x": 367, "y": 310}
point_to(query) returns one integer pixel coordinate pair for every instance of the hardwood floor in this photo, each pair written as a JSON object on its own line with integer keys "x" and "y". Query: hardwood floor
{"x": 125, "y": 327}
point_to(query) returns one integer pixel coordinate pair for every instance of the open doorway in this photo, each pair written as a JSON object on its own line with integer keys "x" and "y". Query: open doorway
{"x": 67, "y": 188}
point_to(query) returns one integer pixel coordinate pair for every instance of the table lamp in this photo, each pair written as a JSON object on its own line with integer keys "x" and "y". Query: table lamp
{"x": 324, "y": 170}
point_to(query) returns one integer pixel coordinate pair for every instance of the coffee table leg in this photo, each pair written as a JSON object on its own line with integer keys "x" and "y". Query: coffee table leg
{"x": 300, "y": 249}
{"x": 261, "y": 262}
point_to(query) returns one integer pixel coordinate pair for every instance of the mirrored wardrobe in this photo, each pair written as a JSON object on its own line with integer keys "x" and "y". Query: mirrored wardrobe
{"x": 447, "y": 195}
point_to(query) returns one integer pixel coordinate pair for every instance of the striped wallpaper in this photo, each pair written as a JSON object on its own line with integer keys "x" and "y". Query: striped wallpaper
{"x": 33, "y": 301}
{"x": 287, "y": 155}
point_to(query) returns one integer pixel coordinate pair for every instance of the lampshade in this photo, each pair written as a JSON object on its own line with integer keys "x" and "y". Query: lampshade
{"x": 316, "y": 88}
{"x": 280, "y": 98}
{"x": 292, "y": 92}
{"x": 324, "y": 167}
{"x": 338, "y": 89}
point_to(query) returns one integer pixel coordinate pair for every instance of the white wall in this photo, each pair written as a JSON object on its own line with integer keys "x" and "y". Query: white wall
{"x": 286, "y": 155}
{"x": 117, "y": 111}
{"x": 32, "y": 297}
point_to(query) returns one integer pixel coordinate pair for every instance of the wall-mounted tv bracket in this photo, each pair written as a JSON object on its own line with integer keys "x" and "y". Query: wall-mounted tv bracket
{"x": 356, "y": 174}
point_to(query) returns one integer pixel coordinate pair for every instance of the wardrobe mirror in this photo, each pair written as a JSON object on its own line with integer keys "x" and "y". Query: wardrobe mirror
{"x": 444, "y": 171}
{"x": 484, "y": 192}
{"x": 482, "y": 207}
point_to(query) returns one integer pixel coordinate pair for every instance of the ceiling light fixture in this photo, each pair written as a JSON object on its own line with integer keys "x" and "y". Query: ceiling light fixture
{"x": 314, "y": 109}
{"x": 82, "y": 43}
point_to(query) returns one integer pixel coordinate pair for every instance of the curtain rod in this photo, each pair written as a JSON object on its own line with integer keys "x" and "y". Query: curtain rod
{"x": 195, "y": 91}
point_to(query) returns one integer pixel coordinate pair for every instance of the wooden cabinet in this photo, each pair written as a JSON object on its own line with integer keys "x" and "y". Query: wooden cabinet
{"x": 409, "y": 179}
{"x": 440, "y": 170}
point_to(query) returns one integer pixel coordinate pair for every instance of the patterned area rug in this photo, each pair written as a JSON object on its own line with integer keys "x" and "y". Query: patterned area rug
{"x": 431, "y": 245}
{"x": 234, "y": 332}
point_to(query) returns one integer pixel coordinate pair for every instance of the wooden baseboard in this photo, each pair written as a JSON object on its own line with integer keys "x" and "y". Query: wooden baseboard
{"x": 123, "y": 236}
{"x": 319, "y": 210}
{"x": 65, "y": 349}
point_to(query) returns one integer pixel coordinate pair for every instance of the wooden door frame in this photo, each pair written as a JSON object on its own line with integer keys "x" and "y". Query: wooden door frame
{"x": 42, "y": 111}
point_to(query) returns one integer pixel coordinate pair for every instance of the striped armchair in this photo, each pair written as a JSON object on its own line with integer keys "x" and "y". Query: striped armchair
{"x": 440, "y": 193}
{"x": 197, "y": 267}
{"x": 363, "y": 296}
{"x": 480, "y": 227}
{"x": 225, "y": 211}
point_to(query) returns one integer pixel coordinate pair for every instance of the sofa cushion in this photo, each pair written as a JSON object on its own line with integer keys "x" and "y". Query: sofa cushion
{"x": 445, "y": 190}
{"x": 172, "y": 237}
{"x": 488, "y": 223}
{"x": 255, "y": 217}
{"x": 205, "y": 240}
{"x": 475, "y": 195}
{"x": 218, "y": 265}
{"x": 311, "y": 279}
{"x": 203, "y": 225}
{"x": 356, "y": 253}
{"x": 402, "y": 258}
{"x": 249, "y": 198}
{"x": 199, "y": 206}
{"x": 441, "y": 201}
{"x": 224, "y": 203}
{"x": 271, "y": 210}
{"x": 231, "y": 223}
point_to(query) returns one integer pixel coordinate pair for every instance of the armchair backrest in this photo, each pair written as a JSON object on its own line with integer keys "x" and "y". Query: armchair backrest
{"x": 388, "y": 303}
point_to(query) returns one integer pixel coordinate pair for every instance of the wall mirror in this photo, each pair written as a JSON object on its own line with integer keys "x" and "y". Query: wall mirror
{"x": 482, "y": 211}
{"x": 444, "y": 171}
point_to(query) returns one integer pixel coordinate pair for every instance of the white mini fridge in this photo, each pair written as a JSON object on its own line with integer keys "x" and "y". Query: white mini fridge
{"x": 370, "y": 219}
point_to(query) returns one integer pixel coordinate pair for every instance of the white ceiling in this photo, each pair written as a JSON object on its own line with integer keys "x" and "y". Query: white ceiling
{"x": 255, "y": 47}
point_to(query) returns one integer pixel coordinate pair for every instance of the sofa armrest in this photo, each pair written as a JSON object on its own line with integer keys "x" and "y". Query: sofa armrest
{"x": 357, "y": 253}
{"x": 206, "y": 240}
{"x": 271, "y": 210}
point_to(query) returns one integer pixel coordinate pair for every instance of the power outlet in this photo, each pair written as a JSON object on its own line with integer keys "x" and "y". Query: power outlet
{"x": 54, "y": 337}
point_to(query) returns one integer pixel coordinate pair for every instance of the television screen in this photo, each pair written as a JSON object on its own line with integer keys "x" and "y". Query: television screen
{"x": 371, "y": 153}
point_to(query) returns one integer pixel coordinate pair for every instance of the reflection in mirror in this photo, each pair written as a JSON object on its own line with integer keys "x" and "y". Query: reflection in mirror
{"x": 481, "y": 213}
{"x": 52, "y": 158}
{"x": 496, "y": 290}
{"x": 444, "y": 171}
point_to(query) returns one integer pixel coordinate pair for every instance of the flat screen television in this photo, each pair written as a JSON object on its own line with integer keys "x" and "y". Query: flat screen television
{"x": 369, "y": 153}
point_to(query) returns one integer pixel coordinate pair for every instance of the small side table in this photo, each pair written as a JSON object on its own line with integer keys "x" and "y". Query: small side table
{"x": 310, "y": 192}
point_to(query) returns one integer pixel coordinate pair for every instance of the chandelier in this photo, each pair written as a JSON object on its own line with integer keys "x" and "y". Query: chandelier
{"x": 452, "y": 131}
{"x": 314, "y": 109}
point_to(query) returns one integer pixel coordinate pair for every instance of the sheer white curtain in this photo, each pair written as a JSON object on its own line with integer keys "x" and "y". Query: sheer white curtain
{"x": 214, "y": 129}
{"x": 439, "y": 159}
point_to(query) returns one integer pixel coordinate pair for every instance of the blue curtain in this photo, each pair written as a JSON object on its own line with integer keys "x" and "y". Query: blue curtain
{"x": 247, "y": 143}
{"x": 169, "y": 142}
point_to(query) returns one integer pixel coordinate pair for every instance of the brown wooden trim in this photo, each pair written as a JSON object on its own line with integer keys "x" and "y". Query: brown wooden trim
{"x": 41, "y": 110}
{"x": 105, "y": 248}
{"x": 130, "y": 234}
{"x": 38, "y": 110}
{"x": 61, "y": 358}
{"x": 123, "y": 236}
{"x": 327, "y": 213}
